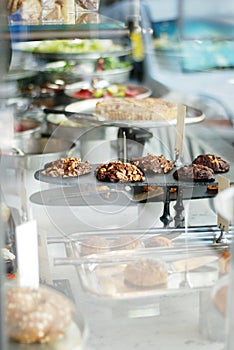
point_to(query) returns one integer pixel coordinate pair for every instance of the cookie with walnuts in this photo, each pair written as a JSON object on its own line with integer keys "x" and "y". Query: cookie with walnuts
{"x": 213, "y": 161}
{"x": 194, "y": 172}
{"x": 118, "y": 171}
{"x": 153, "y": 164}
{"x": 66, "y": 167}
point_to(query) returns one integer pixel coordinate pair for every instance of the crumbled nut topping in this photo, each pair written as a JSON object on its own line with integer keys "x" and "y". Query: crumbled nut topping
{"x": 119, "y": 172}
{"x": 153, "y": 164}
{"x": 194, "y": 172}
{"x": 66, "y": 167}
{"x": 214, "y": 162}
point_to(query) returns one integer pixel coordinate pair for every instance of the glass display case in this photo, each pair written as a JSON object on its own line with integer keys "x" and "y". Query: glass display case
{"x": 96, "y": 26}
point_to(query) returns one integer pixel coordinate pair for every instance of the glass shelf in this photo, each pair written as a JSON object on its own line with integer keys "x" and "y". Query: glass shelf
{"x": 92, "y": 25}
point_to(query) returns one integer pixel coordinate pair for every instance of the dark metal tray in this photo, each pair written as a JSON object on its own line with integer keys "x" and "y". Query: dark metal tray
{"x": 166, "y": 180}
{"x": 63, "y": 196}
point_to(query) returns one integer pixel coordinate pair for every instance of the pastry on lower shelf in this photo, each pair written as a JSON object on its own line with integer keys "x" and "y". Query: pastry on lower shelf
{"x": 149, "y": 108}
{"x": 104, "y": 191}
{"x": 117, "y": 171}
{"x": 158, "y": 241}
{"x": 153, "y": 164}
{"x": 194, "y": 172}
{"x": 151, "y": 188}
{"x": 214, "y": 162}
{"x": 93, "y": 189}
{"x": 224, "y": 262}
{"x": 66, "y": 167}
{"x": 148, "y": 192}
{"x": 126, "y": 243}
{"x": 36, "y": 315}
{"x": 146, "y": 273}
{"x": 94, "y": 245}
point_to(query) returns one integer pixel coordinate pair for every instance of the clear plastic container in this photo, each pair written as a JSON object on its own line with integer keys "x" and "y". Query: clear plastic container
{"x": 191, "y": 263}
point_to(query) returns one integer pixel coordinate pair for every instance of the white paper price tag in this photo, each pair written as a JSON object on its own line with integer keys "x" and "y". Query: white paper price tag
{"x": 179, "y": 140}
{"x": 6, "y": 127}
{"x": 27, "y": 254}
{"x": 223, "y": 183}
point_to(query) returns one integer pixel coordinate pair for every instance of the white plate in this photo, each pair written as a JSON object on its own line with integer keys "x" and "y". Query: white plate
{"x": 107, "y": 48}
{"x": 193, "y": 115}
{"x": 72, "y": 88}
{"x": 87, "y": 106}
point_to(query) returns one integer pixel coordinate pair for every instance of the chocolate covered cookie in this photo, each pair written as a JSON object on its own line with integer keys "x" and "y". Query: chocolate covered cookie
{"x": 119, "y": 172}
{"x": 66, "y": 167}
{"x": 214, "y": 162}
{"x": 194, "y": 172}
{"x": 153, "y": 164}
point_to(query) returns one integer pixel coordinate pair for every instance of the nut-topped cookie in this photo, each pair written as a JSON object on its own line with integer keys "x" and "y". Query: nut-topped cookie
{"x": 117, "y": 171}
{"x": 194, "y": 172}
{"x": 214, "y": 162}
{"x": 66, "y": 167}
{"x": 153, "y": 164}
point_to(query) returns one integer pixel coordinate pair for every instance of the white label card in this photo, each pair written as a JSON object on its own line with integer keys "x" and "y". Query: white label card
{"x": 223, "y": 183}
{"x": 179, "y": 139}
{"x": 27, "y": 254}
{"x": 6, "y": 127}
